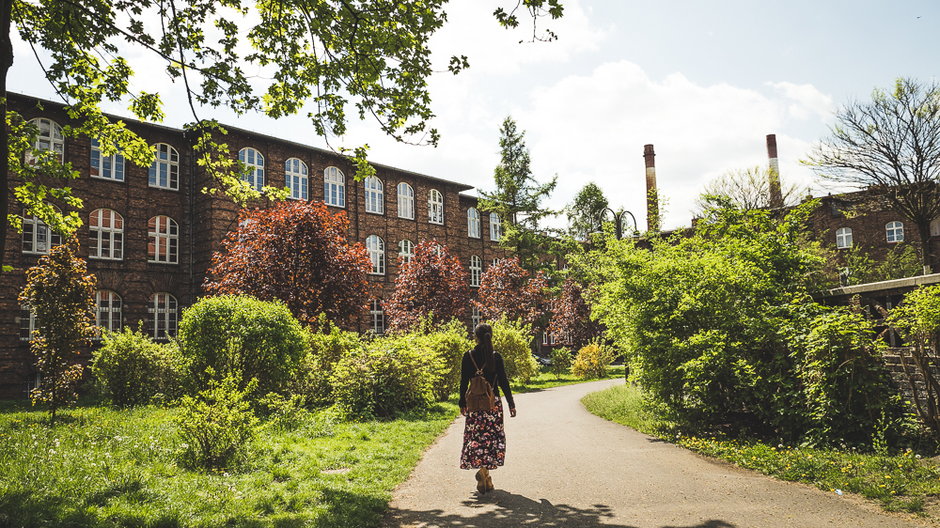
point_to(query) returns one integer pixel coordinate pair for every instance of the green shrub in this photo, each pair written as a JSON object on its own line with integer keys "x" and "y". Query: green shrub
{"x": 242, "y": 337}
{"x": 131, "y": 369}
{"x": 511, "y": 339}
{"x": 217, "y": 425}
{"x": 561, "y": 361}
{"x": 326, "y": 345}
{"x": 392, "y": 374}
{"x": 592, "y": 361}
{"x": 283, "y": 412}
{"x": 446, "y": 346}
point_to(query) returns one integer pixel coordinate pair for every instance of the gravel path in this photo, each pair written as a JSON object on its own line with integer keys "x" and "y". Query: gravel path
{"x": 568, "y": 468}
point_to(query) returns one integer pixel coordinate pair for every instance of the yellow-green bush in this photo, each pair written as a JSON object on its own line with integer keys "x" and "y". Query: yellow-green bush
{"x": 131, "y": 369}
{"x": 512, "y": 339}
{"x": 445, "y": 346}
{"x": 327, "y": 345}
{"x": 592, "y": 361}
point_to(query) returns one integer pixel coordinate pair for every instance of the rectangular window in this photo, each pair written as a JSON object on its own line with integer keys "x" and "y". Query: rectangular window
{"x": 108, "y": 167}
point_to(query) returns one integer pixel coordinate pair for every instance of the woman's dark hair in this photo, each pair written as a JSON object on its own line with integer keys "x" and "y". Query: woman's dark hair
{"x": 484, "y": 334}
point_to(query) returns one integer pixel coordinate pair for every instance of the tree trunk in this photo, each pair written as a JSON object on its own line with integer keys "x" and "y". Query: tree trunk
{"x": 6, "y": 60}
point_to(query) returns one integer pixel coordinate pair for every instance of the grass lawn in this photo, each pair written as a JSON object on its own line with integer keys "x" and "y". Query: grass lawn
{"x": 104, "y": 467}
{"x": 900, "y": 482}
{"x": 546, "y": 380}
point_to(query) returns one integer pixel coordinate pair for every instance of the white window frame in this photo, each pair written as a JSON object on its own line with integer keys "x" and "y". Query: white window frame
{"x": 496, "y": 228}
{"x": 844, "y": 238}
{"x": 107, "y": 243}
{"x": 163, "y": 233}
{"x": 476, "y": 271}
{"x": 108, "y": 310}
{"x": 894, "y": 232}
{"x": 27, "y": 323}
{"x": 406, "y": 250}
{"x": 376, "y": 248}
{"x": 253, "y": 161}
{"x": 105, "y": 167}
{"x": 435, "y": 207}
{"x": 377, "y": 317}
{"x": 164, "y": 173}
{"x": 297, "y": 179}
{"x": 475, "y": 318}
{"x": 494, "y": 262}
{"x": 163, "y": 314}
{"x": 473, "y": 223}
{"x": 38, "y": 238}
{"x": 334, "y": 187}
{"x": 49, "y": 138}
{"x": 375, "y": 195}
{"x": 406, "y": 201}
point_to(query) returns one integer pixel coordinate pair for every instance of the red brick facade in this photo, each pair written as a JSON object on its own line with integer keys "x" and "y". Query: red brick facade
{"x": 204, "y": 220}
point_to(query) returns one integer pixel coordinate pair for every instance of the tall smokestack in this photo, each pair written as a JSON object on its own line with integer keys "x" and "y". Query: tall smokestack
{"x": 652, "y": 195}
{"x": 776, "y": 195}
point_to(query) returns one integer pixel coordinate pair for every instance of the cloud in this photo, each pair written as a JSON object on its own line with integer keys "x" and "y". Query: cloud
{"x": 807, "y": 101}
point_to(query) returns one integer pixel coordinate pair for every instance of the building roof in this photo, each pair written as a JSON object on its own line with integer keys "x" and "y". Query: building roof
{"x": 907, "y": 283}
{"x": 460, "y": 186}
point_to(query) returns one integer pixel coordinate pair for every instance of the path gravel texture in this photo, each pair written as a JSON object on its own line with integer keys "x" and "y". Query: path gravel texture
{"x": 568, "y": 468}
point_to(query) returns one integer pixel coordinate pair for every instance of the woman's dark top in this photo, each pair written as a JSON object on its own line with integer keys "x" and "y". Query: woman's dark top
{"x": 495, "y": 374}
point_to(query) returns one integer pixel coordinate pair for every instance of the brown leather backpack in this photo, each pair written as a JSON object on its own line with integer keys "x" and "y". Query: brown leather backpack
{"x": 480, "y": 396}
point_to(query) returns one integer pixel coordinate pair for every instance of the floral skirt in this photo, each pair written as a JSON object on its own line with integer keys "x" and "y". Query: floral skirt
{"x": 484, "y": 439}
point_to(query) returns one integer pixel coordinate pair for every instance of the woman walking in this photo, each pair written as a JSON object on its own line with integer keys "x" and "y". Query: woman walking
{"x": 484, "y": 438}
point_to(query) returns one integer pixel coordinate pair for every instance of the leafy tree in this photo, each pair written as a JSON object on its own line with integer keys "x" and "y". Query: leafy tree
{"x": 890, "y": 145}
{"x": 746, "y": 189}
{"x": 507, "y": 290}
{"x": 326, "y": 58}
{"x": 61, "y": 294}
{"x": 295, "y": 252}
{"x": 518, "y": 200}
{"x": 918, "y": 320}
{"x": 571, "y": 323}
{"x": 586, "y": 212}
{"x": 433, "y": 285}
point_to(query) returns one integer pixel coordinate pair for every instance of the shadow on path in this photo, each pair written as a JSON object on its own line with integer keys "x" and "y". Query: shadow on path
{"x": 502, "y": 509}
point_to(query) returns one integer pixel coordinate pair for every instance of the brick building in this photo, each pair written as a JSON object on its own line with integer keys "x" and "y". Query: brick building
{"x": 149, "y": 232}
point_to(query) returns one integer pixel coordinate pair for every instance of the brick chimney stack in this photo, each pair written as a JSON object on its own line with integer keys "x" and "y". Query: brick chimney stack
{"x": 652, "y": 195}
{"x": 776, "y": 195}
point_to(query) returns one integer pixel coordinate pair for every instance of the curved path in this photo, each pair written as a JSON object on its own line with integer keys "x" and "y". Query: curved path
{"x": 568, "y": 468}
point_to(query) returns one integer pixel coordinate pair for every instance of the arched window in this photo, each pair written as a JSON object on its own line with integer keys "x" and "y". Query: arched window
{"x": 107, "y": 234}
{"x": 108, "y": 311}
{"x": 334, "y": 187}
{"x": 162, "y": 315}
{"x": 406, "y": 201}
{"x": 843, "y": 238}
{"x": 435, "y": 207}
{"x": 165, "y": 171}
{"x": 377, "y": 314}
{"x": 254, "y": 167}
{"x": 376, "y": 248}
{"x": 50, "y": 138}
{"x": 375, "y": 195}
{"x": 894, "y": 232}
{"x": 163, "y": 244}
{"x": 473, "y": 223}
{"x": 496, "y": 228}
{"x": 106, "y": 166}
{"x": 406, "y": 250}
{"x": 38, "y": 238}
{"x": 296, "y": 179}
{"x": 476, "y": 271}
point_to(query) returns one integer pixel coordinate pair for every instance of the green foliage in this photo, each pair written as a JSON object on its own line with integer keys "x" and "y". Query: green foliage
{"x": 62, "y": 296}
{"x": 217, "y": 425}
{"x": 918, "y": 317}
{"x": 512, "y": 339}
{"x": 918, "y": 321}
{"x": 242, "y": 337}
{"x": 718, "y": 322}
{"x": 586, "y": 212}
{"x": 561, "y": 361}
{"x": 391, "y": 375}
{"x": 285, "y": 413}
{"x": 327, "y": 345}
{"x": 132, "y": 369}
{"x": 445, "y": 344}
{"x": 592, "y": 361}
{"x": 901, "y": 261}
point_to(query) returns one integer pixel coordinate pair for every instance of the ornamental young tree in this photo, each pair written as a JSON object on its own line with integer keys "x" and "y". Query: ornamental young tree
{"x": 328, "y": 58}
{"x": 508, "y": 290}
{"x": 434, "y": 284}
{"x": 571, "y": 323}
{"x": 61, "y": 294}
{"x": 295, "y": 252}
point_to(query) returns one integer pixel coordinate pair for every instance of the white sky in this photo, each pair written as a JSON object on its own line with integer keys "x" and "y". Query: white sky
{"x": 703, "y": 81}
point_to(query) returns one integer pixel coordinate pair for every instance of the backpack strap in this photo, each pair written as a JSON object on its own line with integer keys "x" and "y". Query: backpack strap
{"x": 477, "y": 367}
